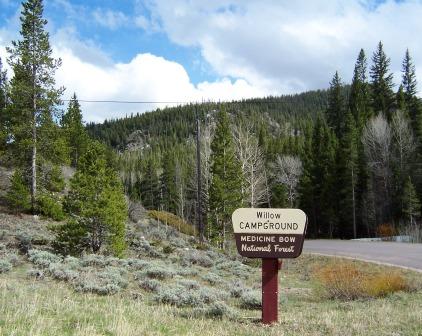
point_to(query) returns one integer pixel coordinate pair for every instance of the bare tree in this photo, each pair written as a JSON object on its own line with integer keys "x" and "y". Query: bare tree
{"x": 288, "y": 171}
{"x": 181, "y": 190}
{"x": 404, "y": 142}
{"x": 206, "y": 136}
{"x": 377, "y": 140}
{"x": 251, "y": 158}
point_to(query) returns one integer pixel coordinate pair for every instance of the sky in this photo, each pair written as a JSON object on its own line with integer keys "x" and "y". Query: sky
{"x": 199, "y": 50}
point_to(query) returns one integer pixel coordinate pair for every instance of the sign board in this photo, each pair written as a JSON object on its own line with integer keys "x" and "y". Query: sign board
{"x": 269, "y": 233}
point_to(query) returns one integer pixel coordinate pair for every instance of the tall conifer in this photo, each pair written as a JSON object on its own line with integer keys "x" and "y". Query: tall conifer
{"x": 359, "y": 92}
{"x": 33, "y": 95}
{"x": 74, "y": 131}
{"x": 226, "y": 184}
{"x": 382, "y": 83}
{"x": 411, "y": 102}
{"x": 336, "y": 108}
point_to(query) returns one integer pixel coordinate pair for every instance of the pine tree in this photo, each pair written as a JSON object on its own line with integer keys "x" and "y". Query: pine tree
{"x": 359, "y": 93}
{"x": 322, "y": 179}
{"x": 382, "y": 83}
{"x": 96, "y": 204}
{"x": 18, "y": 195}
{"x": 336, "y": 108}
{"x": 226, "y": 183}
{"x": 150, "y": 186}
{"x": 412, "y": 205}
{"x": 168, "y": 184}
{"x": 74, "y": 131}
{"x": 346, "y": 179}
{"x": 411, "y": 102}
{"x": 33, "y": 96}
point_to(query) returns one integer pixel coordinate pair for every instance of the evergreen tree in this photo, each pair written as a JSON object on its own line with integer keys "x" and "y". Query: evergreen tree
{"x": 226, "y": 183}
{"x": 150, "y": 186}
{"x": 96, "y": 204}
{"x": 359, "y": 94}
{"x": 401, "y": 100}
{"x": 411, "y": 102}
{"x": 33, "y": 96}
{"x": 346, "y": 179}
{"x": 74, "y": 131}
{"x": 336, "y": 108}
{"x": 382, "y": 83}
{"x": 322, "y": 175}
{"x": 412, "y": 205}
{"x": 18, "y": 196}
{"x": 168, "y": 184}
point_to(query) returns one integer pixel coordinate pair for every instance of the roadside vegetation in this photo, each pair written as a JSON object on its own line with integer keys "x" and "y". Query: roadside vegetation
{"x": 166, "y": 286}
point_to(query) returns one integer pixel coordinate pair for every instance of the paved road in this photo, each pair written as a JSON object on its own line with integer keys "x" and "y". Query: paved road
{"x": 397, "y": 254}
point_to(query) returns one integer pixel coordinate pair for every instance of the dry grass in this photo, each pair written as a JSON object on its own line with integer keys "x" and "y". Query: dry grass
{"x": 168, "y": 218}
{"x": 346, "y": 281}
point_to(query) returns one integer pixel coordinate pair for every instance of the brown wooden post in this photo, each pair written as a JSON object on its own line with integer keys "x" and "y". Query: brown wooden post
{"x": 270, "y": 269}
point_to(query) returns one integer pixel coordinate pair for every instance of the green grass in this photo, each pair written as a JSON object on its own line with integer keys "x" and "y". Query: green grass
{"x": 48, "y": 307}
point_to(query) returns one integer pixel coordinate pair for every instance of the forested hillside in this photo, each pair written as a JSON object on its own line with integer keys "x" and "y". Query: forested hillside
{"x": 178, "y": 123}
{"x": 349, "y": 156}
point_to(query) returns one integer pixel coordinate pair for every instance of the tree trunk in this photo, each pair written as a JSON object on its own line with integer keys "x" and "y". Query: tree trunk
{"x": 34, "y": 150}
{"x": 354, "y": 205}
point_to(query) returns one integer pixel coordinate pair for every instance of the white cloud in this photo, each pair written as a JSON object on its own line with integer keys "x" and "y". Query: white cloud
{"x": 291, "y": 46}
{"x": 145, "y": 78}
{"x": 110, "y": 19}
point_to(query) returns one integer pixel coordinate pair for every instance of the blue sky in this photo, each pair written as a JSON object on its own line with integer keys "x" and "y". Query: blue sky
{"x": 183, "y": 50}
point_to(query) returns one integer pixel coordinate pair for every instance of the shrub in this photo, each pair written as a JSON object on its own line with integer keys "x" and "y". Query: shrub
{"x": 150, "y": 285}
{"x": 137, "y": 264}
{"x": 43, "y": 258}
{"x": 18, "y": 196}
{"x": 187, "y": 271}
{"x": 172, "y": 220}
{"x": 107, "y": 282}
{"x": 250, "y": 300}
{"x": 341, "y": 281}
{"x": 178, "y": 296}
{"x": 214, "y": 310}
{"x": 158, "y": 272}
{"x": 212, "y": 278}
{"x": 189, "y": 284}
{"x": 194, "y": 257}
{"x": 168, "y": 249}
{"x": 236, "y": 289}
{"x": 95, "y": 260}
{"x": 5, "y": 266}
{"x": 70, "y": 238}
{"x": 177, "y": 242}
{"x": 384, "y": 284}
{"x": 50, "y": 207}
{"x": 218, "y": 310}
{"x": 386, "y": 230}
{"x": 24, "y": 242}
{"x": 72, "y": 262}
{"x": 345, "y": 281}
{"x": 61, "y": 272}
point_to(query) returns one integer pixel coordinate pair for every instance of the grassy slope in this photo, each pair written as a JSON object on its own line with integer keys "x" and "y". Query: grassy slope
{"x": 51, "y": 307}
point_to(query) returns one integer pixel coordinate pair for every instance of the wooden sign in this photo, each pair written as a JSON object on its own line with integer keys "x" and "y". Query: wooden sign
{"x": 269, "y": 233}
